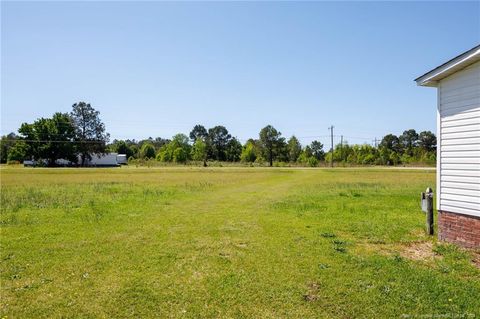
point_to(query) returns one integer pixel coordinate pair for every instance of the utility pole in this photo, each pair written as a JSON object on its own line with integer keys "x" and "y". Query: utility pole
{"x": 341, "y": 148}
{"x": 331, "y": 135}
{"x": 375, "y": 142}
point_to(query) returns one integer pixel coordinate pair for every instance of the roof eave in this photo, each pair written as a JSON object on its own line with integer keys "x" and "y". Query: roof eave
{"x": 461, "y": 61}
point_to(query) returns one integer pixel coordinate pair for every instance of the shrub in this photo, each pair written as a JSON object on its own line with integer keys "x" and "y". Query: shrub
{"x": 368, "y": 159}
{"x": 248, "y": 153}
{"x": 312, "y": 161}
{"x": 147, "y": 151}
{"x": 199, "y": 150}
{"x": 180, "y": 155}
{"x": 17, "y": 152}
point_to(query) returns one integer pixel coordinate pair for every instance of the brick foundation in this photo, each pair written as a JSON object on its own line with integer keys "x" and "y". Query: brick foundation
{"x": 463, "y": 230}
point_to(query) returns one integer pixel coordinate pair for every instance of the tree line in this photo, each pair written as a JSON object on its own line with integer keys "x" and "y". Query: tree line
{"x": 217, "y": 144}
{"x": 408, "y": 148}
{"x": 81, "y": 133}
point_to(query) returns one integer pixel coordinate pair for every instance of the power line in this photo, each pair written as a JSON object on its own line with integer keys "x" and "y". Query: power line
{"x": 359, "y": 138}
{"x": 331, "y": 136}
{"x": 51, "y": 141}
{"x": 314, "y": 136}
{"x": 125, "y": 137}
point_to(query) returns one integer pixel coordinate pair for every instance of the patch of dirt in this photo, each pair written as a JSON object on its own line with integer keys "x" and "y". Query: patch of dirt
{"x": 224, "y": 254}
{"x": 374, "y": 247}
{"x": 312, "y": 293}
{"x": 419, "y": 251}
{"x": 423, "y": 251}
{"x": 241, "y": 245}
{"x": 476, "y": 258}
{"x": 197, "y": 275}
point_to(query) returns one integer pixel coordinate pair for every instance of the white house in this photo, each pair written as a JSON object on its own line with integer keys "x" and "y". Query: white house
{"x": 458, "y": 146}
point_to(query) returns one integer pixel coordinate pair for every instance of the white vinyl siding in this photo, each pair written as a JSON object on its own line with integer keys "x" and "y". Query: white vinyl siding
{"x": 459, "y": 142}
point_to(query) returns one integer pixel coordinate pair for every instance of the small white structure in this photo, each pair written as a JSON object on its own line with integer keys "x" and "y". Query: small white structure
{"x": 122, "y": 159}
{"x": 29, "y": 163}
{"x": 458, "y": 146}
{"x": 109, "y": 159}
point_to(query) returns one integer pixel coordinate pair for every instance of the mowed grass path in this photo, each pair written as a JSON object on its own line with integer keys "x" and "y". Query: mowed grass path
{"x": 224, "y": 243}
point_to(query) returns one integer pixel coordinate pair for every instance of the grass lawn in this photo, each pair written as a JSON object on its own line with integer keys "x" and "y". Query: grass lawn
{"x": 226, "y": 243}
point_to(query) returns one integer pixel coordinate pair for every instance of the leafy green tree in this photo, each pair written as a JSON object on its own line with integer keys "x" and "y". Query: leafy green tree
{"x": 121, "y": 147}
{"x": 181, "y": 140}
{"x": 394, "y": 158}
{"x": 365, "y": 154}
{"x": 391, "y": 142}
{"x": 342, "y": 151}
{"x": 91, "y": 137}
{"x": 198, "y": 131}
{"x": 307, "y": 157}
{"x": 199, "y": 151}
{"x": 312, "y": 161}
{"x": 429, "y": 158}
{"x": 360, "y": 154}
{"x": 303, "y": 158}
{"x": 282, "y": 150}
{"x": 408, "y": 140}
{"x": 388, "y": 157}
{"x": 17, "y": 152}
{"x": 218, "y": 138}
{"x": 165, "y": 154}
{"x": 294, "y": 149}
{"x": 178, "y": 150}
{"x": 147, "y": 151}
{"x": 159, "y": 142}
{"x": 317, "y": 150}
{"x": 6, "y": 142}
{"x": 180, "y": 155}
{"x": 34, "y": 134}
{"x": 427, "y": 141}
{"x": 308, "y": 151}
{"x": 272, "y": 142}
{"x": 50, "y": 139}
{"x": 135, "y": 150}
{"x": 234, "y": 150}
{"x": 249, "y": 152}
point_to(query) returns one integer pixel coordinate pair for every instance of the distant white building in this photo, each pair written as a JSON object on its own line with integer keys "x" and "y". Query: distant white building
{"x": 122, "y": 159}
{"x": 458, "y": 146}
{"x": 98, "y": 160}
{"x": 109, "y": 159}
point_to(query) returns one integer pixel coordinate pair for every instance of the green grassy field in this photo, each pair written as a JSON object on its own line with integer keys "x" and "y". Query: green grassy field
{"x": 226, "y": 243}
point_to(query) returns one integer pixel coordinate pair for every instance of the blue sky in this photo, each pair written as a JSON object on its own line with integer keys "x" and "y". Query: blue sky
{"x": 159, "y": 68}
